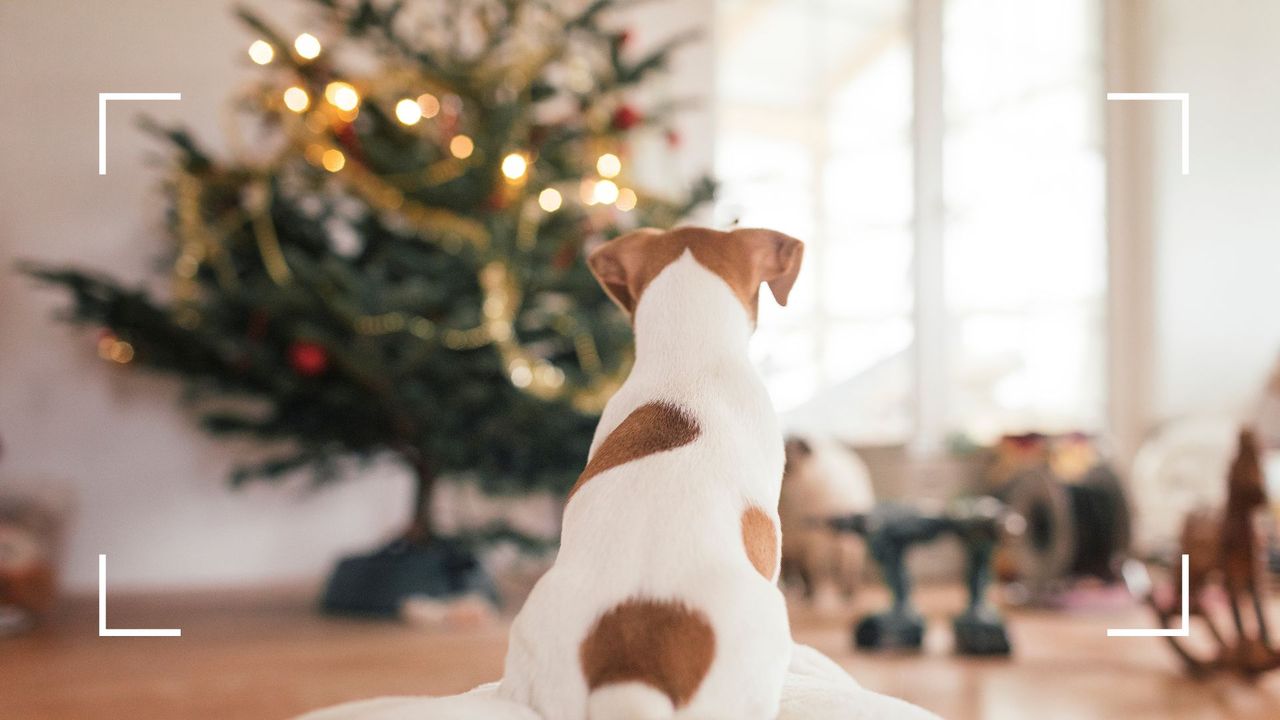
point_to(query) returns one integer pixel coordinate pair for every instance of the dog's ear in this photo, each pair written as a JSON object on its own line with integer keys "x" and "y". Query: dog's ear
{"x": 617, "y": 264}
{"x": 777, "y": 259}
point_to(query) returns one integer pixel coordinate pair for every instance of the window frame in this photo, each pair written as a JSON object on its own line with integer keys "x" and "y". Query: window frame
{"x": 1126, "y": 266}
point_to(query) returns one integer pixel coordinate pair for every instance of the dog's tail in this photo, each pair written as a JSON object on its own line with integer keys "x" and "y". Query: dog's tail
{"x": 643, "y": 658}
{"x": 629, "y": 701}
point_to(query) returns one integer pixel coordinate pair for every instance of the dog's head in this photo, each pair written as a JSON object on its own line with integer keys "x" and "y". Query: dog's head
{"x": 744, "y": 259}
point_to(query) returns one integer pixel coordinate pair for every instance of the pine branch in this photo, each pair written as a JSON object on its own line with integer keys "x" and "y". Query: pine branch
{"x": 635, "y": 73}
{"x": 193, "y": 158}
{"x": 344, "y": 352}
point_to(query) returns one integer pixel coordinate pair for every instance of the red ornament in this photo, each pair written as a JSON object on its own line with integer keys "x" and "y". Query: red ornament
{"x": 673, "y": 138}
{"x": 349, "y": 140}
{"x": 308, "y": 359}
{"x": 497, "y": 200}
{"x": 624, "y": 37}
{"x": 626, "y": 117}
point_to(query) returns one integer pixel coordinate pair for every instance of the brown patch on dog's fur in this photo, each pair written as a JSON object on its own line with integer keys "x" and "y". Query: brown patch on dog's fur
{"x": 760, "y": 538}
{"x": 651, "y": 428}
{"x": 662, "y": 644}
{"x": 742, "y": 258}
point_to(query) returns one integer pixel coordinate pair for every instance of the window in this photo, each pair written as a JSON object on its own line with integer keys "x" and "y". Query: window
{"x": 816, "y": 112}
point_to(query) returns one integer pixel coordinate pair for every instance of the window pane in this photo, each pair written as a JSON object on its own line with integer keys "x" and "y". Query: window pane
{"x": 1024, "y": 236}
{"x": 867, "y": 395}
{"x": 866, "y": 273}
{"x": 814, "y": 118}
{"x": 1029, "y": 370}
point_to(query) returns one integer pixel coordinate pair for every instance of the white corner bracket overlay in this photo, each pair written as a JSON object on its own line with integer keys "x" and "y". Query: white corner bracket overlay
{"x": 103, "y": 630}
{"x": 1184, "y": 99}
{"x": 103, "y": 97}
{"x": 1184, "y": 631}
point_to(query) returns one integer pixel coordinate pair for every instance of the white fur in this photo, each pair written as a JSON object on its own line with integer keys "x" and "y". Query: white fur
{"x": 815, "y": 689}
{"x": 631, "y": 700}
{"x": 668, "y": 526}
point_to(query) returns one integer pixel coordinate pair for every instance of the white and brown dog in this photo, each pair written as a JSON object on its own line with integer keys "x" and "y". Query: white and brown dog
{"x": 663, "y": 601}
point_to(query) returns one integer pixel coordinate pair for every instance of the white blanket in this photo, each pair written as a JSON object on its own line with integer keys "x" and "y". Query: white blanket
{"x": 816, "y": 689}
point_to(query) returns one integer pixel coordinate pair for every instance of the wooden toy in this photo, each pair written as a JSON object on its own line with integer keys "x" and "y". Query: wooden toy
{"x": 1226, "y": 556}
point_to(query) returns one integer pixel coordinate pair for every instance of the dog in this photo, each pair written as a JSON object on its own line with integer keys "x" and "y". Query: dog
{"x": 663, "y": 601}
{"x": 822, "y": 479}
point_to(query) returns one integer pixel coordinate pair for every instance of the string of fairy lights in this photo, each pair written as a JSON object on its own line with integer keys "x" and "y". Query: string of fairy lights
{"x": 312, "y": 131}
{"x": 409, "y": 111}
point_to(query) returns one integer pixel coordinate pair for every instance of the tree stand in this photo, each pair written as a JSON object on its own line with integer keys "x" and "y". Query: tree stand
{"x": 378, "y": 583}
{"x": 419, "y": 563}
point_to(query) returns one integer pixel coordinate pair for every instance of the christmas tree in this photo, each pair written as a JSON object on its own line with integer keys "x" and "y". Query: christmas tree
{"x": 396, "y": 266}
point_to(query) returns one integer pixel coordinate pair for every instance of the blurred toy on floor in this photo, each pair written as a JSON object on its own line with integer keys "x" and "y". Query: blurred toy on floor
{"x": 892, "y": 529}
{"x": 1077, "y": 515}
{"x": 1225, "y": 551}
{"x": 31, "y": 525}
{"x": 822, "y": 478}
{"x": 26, "y": 578}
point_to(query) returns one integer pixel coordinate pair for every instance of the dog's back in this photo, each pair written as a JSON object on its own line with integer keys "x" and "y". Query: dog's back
{"x": 663, "y": 601}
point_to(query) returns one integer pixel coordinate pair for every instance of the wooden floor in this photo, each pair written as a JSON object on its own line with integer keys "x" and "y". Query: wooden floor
{"x": 268, "y": 655}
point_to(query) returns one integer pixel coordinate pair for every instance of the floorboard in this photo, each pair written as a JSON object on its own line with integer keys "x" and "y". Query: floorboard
{"x": 268, "y": 654}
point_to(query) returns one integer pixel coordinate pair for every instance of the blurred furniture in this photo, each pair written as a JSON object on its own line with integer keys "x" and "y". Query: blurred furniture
{"x": 1175, "y": 471}
{"x": 822, "y": 478}
{"x": 891, "y": 530}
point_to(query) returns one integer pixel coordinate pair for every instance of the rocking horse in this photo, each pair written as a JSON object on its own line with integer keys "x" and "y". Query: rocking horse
{"x": 1225, "y": 557}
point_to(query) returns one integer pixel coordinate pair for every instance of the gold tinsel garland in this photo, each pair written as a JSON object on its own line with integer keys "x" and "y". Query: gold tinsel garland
{"x": 501, "y": 294}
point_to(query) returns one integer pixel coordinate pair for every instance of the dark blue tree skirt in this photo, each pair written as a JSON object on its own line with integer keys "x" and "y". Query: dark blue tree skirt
{"x": 377, "y": 584}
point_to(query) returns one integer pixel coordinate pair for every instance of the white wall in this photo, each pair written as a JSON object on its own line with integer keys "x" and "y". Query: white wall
{"x": 1216, "y": 232}
{"x": 150, "y": 487}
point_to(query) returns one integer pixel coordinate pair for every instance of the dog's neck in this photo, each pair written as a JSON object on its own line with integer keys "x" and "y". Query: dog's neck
{"x": 689, "y": 321}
